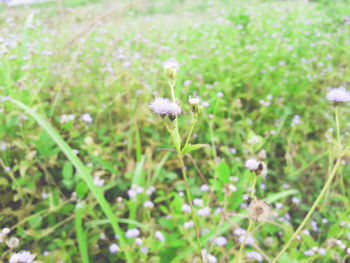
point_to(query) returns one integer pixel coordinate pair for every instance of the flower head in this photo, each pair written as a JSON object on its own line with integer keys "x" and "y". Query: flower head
{"x": 252, "y": 164}
{"x": 171, "y": 68}
{"x": 259, "y": 210}
{"x": 338, "y": 96}
{"x": 173, "y": 111}
{"x": 159, "y": 235}
{"x": 131, "y": 233}
{"x": 23, "y": 256}
{"x": 159, "y": 106}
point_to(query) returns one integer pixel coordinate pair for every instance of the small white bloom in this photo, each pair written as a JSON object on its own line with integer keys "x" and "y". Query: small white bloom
{"x": 131, "y": 233}
{"x": 186, "y": 208}
{"x": 338, "y": 95}
{"x": 113, "y": 248}
{"x": 194, "y": 101}
{"x": 148, "y": 204}
{"x": 204, "y": 211}
{"x": 188, "y": 224}
{"x": 144, "y": 250}
{"x": 322, "y": 251}
{"x": 204, "y": 188}
{"x": 159, "y": 235}
{"x": 86, "y": 118}
{"x": 138, "y": 241}
{"x": 198, "y": 202}
{"x": 220, "y": 241}
{"x": 252, "y": 164}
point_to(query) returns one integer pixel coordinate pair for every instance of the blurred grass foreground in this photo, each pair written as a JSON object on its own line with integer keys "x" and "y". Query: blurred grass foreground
{"x": 248, "y": 160}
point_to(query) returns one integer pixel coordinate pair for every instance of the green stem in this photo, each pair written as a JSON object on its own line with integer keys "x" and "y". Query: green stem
{"x": 338, "y": 129}
{"x": 194, "y": 121}
{"x": 189, "y": 199}
{"x": 251, "y": 221}
{"x": 309, "y": 214}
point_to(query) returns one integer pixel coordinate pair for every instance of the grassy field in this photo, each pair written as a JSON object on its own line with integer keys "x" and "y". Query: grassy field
{"x": 88, "y": 173}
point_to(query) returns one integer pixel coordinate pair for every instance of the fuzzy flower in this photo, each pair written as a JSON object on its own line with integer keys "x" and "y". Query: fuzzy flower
{"x": 188, "y": 224}
{"x": 259, "y": 210}
{"x": 113, "y": 248}
{"x": 204, "y": 211}
{"x": 159, "y": 106}
{"x": 255, "y": 255}
{"x": 220, "y": 241}
{"x": 252, "y": 164}
{"x": 186, "y": 208}
{"x": 131, "y": 233}
{"x": 148, "y": 204}
{"x": 23, "y": 256}
{"x": 338, "y": 96}
{"x": 173, "y": 111}
{"x": 194, "y": 101}
{"x": 159, "y": 235}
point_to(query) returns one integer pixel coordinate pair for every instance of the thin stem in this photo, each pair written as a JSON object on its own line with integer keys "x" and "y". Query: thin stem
{"x": 251, "y": 221}
{"x": 194, "y": 121}
{"x": 338, "y": 129}
{"x": 309, "y": 214}
{"x": 189, "y": 199}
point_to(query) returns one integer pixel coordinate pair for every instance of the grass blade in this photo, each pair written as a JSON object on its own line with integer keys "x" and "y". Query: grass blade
{"x": 82, "y": 171}
{"x": 81, "y": 235}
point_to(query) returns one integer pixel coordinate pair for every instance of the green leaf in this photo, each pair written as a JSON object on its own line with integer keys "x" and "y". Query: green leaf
{"x": 223, "y": 172}
{"x": 67, "y": 170}
{"x": 193, "y": 147}
{"x": 81, "y": 235}
{"x": 82, "y": 171}
{"x": 274, "y": 197}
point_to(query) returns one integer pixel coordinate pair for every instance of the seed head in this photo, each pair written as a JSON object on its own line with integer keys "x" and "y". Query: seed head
{"x": 338, "y": 96}
{"x": 13, "y": 242}
{"x": 259, "y": 210}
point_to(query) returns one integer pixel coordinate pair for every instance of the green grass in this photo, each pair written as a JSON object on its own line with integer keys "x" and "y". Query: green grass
{"x": 255, "y": 66}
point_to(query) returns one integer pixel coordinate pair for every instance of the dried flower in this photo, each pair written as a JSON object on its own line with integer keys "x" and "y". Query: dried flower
{"x": 338, "y": 96}
{"x": 258, "y": 209}
{"x": 13, "y": 242}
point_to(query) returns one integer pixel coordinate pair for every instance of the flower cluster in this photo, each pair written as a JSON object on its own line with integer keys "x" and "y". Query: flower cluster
{"x": 164, "y": 107}
{"x": 338, "y": 96}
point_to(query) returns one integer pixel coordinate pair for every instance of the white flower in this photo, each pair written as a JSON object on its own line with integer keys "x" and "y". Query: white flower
{"x": 132, "y": 193}
{"x": 255, "y": 255}
{"x": 173, "y": 110}
{"x": 204, "y": 188}
{"x": 113, "y": 248}
{"x": 194, "y": 101}
{"x": 220, "y": 241}
{"x": 198, "y": 202}
{"x": 98, "y": 181}
{"x": 309, "y": 253}
{"x": 171, "y": 65}
{"x": 131, "y": 233}
{"x": 186, "y": 208}
{"x": 338, "y": 95}
{"x": 159, "y": 106}
{"x": 160, "y": 236}
{"x": 252, "y": 164}
{"x": 23, "y": 256}
{"x": 144, "y": 250}
{"x": 138, "y": 241}
{"x": 204, "y": 211}
{"x": 86, "y": 118}
{"x": 148, "y": 204}
{"x": 188, "y": 224}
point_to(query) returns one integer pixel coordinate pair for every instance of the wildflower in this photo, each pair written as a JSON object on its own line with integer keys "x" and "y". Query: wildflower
{"x": 138, "y": 241}
{"x": 309, "y": 253}
{"x": 171, "y": 67}
{"x": 3, "y": 146}
{"x": 254, "y": 255}
{"x": 113, "y": 248}
{"x": 23, "y": 256}
{"x": 204, "y": 188}
{"x": 252, "y": 164}
{"x": 204, "y": 211}
{"x": 322, "y": 251}
{"x": 259, "y": 210}
{"x": 208, "y": 258}
{"x": 198, "y": 202}
{"x": 338, "y": 96}
{"x": 148, "y": 204}
{"x": 194, "y": 103}
{"x": 188, "y": 224}
{"x": 186, "y": 208}
{"x": 98, "y": 181}
{"x": 173, "y": 111}
{"x": 132, "y": 193}
{"x": 131, "y": 233}
{"x": 324, "y": 220}
{"x": 159, "y": 235}
{"x": 144, "y": 250}
{"x": 295, "y": 200}
{"x": 13, "y": 242}
{"x": 86, "y": 118}
{"x": 160, "y": 106}
{"x": 220, "y": 241}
